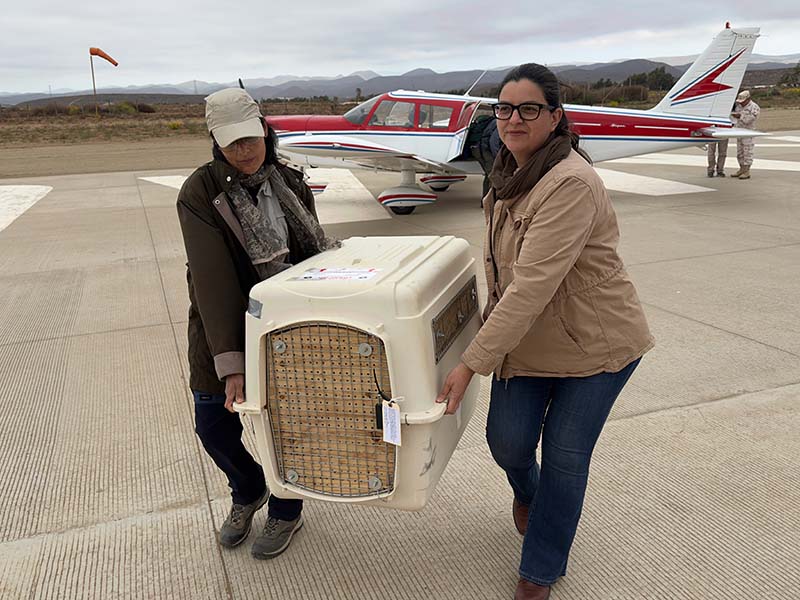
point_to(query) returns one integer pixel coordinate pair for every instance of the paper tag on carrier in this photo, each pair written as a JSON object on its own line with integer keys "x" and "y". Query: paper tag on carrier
{"x": 339, "y": 274}
{"x": 391, "y": 422}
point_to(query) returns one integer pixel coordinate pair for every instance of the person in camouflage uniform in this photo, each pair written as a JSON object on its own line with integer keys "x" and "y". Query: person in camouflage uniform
{"x": 745, "y": 115}
{"x": 717, "y": 152}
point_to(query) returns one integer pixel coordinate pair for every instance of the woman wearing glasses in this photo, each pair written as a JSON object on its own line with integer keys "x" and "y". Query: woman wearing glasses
{"x": 564, "y": 328}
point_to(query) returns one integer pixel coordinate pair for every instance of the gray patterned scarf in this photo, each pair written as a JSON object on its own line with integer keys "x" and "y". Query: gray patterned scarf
{"x": 264, "y": 245}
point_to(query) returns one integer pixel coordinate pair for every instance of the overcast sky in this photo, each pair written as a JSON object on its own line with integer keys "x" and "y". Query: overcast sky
{"x": 45, "y": 42}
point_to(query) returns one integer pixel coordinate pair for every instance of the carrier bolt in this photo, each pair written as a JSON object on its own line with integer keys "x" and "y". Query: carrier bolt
{"x": 365, "y": 349}
{"x": 279, "y": 346}
{"x": 292, "y": 476}
{"x": 374, "y": 483}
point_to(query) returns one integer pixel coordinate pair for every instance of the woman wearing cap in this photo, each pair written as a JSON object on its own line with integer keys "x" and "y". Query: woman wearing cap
{"x": 244, "y": 217}
{"x": 563, "y": 327}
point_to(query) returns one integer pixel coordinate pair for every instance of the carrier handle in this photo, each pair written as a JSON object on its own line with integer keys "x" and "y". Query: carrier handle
{"x": 423, "y": 417}
{"x": 426, "y": 416}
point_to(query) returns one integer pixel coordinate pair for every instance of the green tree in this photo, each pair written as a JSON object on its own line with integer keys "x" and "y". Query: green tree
{"x": 659, "y": 79}
{"x": 792, "y": 78}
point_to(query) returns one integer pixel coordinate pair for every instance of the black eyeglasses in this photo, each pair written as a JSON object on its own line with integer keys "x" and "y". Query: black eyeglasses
{"x": 528, "y": 111}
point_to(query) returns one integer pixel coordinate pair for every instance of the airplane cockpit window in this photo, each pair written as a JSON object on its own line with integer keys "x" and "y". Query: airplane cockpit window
{"x": 391, "y": 113}
{"x": 434, "y": 117}
{"x": 358, "y": 114}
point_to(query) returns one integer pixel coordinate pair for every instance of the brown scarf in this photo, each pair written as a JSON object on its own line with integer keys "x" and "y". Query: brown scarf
{"x": 510, "y": 180}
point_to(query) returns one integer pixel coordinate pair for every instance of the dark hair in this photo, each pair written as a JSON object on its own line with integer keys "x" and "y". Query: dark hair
{"x": 270, "y": 140}
{"x": 548, "y": 82}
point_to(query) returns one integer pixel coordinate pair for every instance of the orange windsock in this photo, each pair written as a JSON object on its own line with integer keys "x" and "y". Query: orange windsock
{"x": 101, "y": 54}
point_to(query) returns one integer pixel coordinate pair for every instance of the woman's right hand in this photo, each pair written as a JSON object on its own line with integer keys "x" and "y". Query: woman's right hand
{"x": 234, "y": 390}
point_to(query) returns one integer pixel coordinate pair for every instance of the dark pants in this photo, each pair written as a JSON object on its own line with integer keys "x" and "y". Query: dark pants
{"x": 220, "y": 431}
{"x": 568, "y": 414}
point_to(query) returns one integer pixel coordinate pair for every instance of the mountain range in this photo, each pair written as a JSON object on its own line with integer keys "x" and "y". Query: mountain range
{"x": 369, "y": 83}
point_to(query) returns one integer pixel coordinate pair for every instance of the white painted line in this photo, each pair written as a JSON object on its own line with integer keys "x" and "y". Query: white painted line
{"x": 648, "y": 186}
{"x": 762, "y": 145}
{"x": 16, "y": 199}
{"x": 787, "y": 138}
{"x": 173, "y": 181}
{"x": 687, "y": 160}
{"x": 345, "y": 200}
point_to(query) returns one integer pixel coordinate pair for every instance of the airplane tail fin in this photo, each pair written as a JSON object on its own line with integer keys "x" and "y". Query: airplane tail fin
{"x": 710, "y": 86}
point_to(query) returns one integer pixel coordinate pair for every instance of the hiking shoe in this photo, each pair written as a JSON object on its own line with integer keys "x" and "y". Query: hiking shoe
{"x": 275, "y": 538}
{"x": 237, "y": 526}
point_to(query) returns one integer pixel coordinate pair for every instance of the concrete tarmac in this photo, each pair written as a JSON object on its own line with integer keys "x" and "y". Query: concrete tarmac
{"x": 106, "y": 493}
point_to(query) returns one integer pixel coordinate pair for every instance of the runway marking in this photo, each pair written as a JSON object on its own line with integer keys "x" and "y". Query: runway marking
{"x": 787, "y": 138}
{"x": 762, "y": 145}
{"x": 173, "y": 181}
{"x": 16, "y": 199}
{"x": 345, "y": 200}
{"x": 687, "y": 160}
{"x": 647, "y": 186}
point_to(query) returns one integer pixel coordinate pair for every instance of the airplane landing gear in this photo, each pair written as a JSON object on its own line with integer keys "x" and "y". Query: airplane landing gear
{"x": 402, "y": 210}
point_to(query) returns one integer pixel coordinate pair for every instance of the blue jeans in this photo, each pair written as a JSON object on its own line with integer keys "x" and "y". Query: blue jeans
{"x": 220, "y": 431}
{"x": 568, "y": 414}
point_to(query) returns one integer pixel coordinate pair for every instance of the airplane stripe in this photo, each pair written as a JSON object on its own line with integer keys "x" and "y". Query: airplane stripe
{"x": 730, "y": 60}
{"x": 683, "y": 140}
{"x": 571, "y": 108}
{"x": 360, "y": 132}
{"x": 339, "y": 147}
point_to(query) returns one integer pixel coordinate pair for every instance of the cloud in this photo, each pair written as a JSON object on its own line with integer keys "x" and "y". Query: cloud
{"x": 46, "y": 42}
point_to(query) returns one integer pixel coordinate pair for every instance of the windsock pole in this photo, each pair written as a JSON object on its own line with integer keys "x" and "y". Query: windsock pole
{"x": 92, "y": 53}
{"x": 94, "y": 87}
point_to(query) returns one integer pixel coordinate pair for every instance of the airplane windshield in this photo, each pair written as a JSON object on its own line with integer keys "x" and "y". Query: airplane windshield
{"x": 357, "y": 115}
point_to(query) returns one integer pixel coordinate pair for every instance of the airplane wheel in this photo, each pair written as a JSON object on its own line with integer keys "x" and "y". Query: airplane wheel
{"x": 440, "y": 188}
{"x": 402, "y": 210}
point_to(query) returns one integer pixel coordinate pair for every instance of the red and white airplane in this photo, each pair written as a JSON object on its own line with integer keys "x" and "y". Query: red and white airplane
{"x": 419, "y": 132}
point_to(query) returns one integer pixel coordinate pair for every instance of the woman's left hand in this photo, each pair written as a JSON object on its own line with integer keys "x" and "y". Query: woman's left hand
{"x": 454, "y": 387}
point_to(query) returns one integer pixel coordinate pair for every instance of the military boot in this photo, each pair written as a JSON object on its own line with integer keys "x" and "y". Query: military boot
{"x": 745, "y": 174}
{"x": 738, "y": 173}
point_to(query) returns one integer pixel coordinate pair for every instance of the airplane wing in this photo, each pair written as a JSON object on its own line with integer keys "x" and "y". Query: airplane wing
{"x": 363, "y": 153}
{"x": 730, "y": 133}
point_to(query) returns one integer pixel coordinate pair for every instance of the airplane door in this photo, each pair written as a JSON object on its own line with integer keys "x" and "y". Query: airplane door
{"x": 471, "y": 112}
{"x": 460, "y": 139}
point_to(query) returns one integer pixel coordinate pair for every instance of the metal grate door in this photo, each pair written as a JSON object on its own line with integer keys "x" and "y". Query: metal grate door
{"x": 322, "y": 393}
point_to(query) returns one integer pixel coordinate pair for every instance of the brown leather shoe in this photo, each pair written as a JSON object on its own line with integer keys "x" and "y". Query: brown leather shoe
{"x": 520, "y": 511}
{"x": 527, "y": 590}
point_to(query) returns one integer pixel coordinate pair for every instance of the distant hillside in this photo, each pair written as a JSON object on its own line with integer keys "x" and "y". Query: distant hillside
{"x": 765, "y": 77}
{"x": 88, "y": 100}
{"x": 617, "y": 72}
{"x": 345, "y": 88}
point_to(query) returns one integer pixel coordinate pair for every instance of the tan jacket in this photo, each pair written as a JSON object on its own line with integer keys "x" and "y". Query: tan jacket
{"x": 560, "y": 301}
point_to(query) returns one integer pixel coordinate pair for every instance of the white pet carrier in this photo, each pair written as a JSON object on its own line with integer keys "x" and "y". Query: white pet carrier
{"x": 330, "y": 340}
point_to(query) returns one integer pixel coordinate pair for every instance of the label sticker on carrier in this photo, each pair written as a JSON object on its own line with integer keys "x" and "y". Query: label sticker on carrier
{"x": 391, "y": 423}
{"x": 339, "y": 274}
